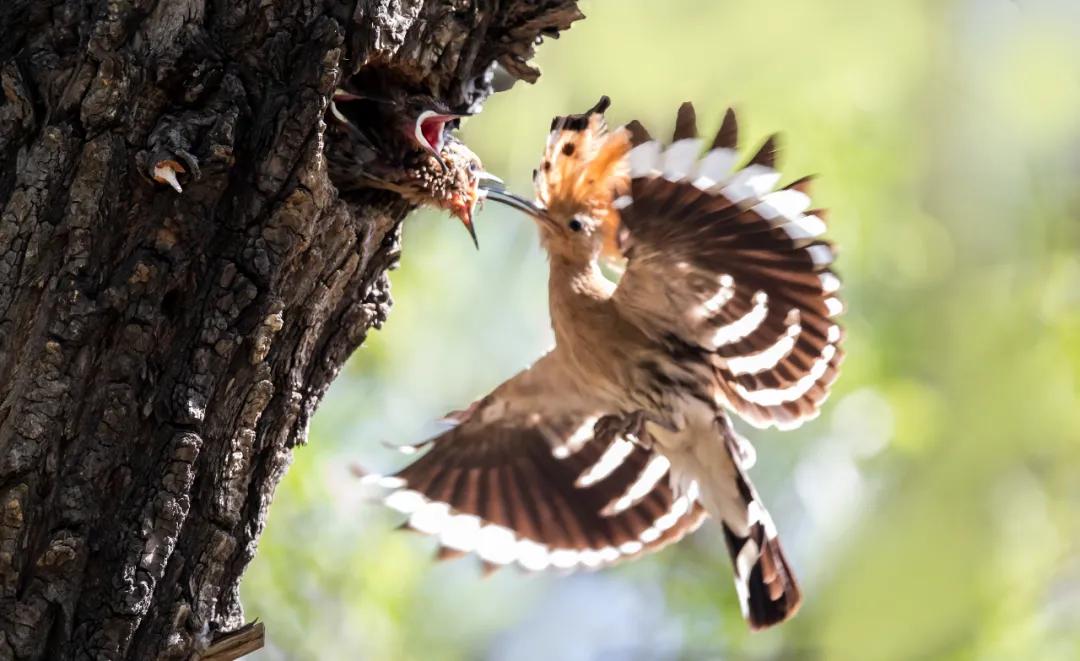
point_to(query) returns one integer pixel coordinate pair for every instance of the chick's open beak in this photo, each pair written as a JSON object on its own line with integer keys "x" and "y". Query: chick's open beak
{"x": 428, "y": 132}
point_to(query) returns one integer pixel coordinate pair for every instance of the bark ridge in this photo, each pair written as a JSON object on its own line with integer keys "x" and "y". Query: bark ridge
{"x": 162, "y": 352}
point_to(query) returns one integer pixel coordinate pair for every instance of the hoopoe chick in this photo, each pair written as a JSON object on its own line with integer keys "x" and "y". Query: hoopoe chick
{"x": 416, "y": 158}
{"x": 619, "y": 440}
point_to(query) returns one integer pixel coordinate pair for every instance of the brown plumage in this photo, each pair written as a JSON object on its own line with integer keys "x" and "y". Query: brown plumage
{"x": 402, "y": 145}
{"x": 583, "y": 169}
{"x": 618, "y": 441}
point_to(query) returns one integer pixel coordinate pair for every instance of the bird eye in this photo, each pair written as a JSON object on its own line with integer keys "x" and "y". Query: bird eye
{"x": 574, "y": 225}
{"x": 474, "y": 166}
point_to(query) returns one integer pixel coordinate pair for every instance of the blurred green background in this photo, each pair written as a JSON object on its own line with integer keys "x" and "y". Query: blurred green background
{"x": 931, "y": 512}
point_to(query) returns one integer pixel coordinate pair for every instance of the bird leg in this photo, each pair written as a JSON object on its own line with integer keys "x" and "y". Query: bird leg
{"x": 630, "y": 427}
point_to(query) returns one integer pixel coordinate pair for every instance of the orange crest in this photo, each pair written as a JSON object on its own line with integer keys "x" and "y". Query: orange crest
{"x": 584, "y": 169}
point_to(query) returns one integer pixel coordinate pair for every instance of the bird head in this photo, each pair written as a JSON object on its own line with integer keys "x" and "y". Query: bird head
{"x": 420, "y": 162}
{"x": 582, "y": 173}
{"x": 451, "y": 182}
{"x": 421, "y": 119}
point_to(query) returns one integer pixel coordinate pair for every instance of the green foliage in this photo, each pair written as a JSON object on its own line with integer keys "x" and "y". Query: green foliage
{"x": 932, "y": 511}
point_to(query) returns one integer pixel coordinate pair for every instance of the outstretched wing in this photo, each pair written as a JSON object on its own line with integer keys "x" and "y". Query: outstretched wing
{"x": 523, "y": 479}
{"x": 724, "y": 268}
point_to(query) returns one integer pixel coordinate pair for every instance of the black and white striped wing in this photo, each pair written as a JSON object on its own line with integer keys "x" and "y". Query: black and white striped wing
{"x": 729, "y": 270}
{"x": 523, "y": 480}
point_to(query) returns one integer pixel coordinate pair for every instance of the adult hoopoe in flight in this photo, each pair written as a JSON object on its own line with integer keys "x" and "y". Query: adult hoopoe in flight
{"x": 618, "y": 441}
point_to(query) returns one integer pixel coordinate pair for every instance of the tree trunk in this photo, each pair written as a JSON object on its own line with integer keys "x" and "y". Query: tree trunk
{"x": 162, "y": 352}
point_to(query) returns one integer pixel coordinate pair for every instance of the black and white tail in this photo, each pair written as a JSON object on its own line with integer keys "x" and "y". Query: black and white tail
{"x": 768, "y": 592}
{"x": 714, "y": 469}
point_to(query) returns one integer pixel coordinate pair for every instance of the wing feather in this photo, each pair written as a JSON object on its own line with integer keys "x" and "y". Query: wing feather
{"x": 507, "y": 482}
{"x": 724, "y": 264}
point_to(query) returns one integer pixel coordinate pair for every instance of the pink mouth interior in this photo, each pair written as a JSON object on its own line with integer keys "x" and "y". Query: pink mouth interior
{"x": 432, "y": 130}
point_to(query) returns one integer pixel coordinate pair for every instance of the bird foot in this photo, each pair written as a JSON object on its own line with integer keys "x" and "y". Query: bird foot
{"x": 630, "y": 427}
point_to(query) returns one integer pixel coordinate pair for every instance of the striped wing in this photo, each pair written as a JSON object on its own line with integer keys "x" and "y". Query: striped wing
{"x": 731, "y": 271}
{"x": 523, "y": 479}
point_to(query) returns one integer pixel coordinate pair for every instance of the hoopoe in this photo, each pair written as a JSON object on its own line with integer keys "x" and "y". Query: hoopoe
{"x": 618, "y": 441}
{"x": 416, "y": 159}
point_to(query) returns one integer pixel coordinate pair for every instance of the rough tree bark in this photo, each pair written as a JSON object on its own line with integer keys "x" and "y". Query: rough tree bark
{"x": 161, "y": 353}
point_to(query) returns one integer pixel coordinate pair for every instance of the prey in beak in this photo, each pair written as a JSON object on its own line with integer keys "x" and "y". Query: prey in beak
{"x": 463, "y": 205}
{"x": 459, "y": 187}
{"x": 481, "y": 185}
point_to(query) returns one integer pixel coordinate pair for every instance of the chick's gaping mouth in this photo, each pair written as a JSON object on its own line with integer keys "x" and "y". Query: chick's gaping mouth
{"x": 430, "y": 129}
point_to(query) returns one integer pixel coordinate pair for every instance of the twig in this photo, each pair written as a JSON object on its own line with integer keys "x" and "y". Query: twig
{"x": 235, "y": 644}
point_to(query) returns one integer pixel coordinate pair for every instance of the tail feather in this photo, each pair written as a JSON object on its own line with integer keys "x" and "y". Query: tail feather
{"x": 766, "y": 585}
{"x": 768, "y": 592}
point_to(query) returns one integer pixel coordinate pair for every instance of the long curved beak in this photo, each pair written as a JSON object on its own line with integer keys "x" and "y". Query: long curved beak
{"x": 491, "y": 187}
{"x": 513, "y": 201}
{"x": 499, "y": 194}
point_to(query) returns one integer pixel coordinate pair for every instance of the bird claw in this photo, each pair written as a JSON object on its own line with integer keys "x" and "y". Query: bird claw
{"x": 630, "y": 427}
{"x": 608, "y": 427}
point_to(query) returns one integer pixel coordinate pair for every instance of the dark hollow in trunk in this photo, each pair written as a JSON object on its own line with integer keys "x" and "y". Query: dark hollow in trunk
{"x": 162, "y": 353}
